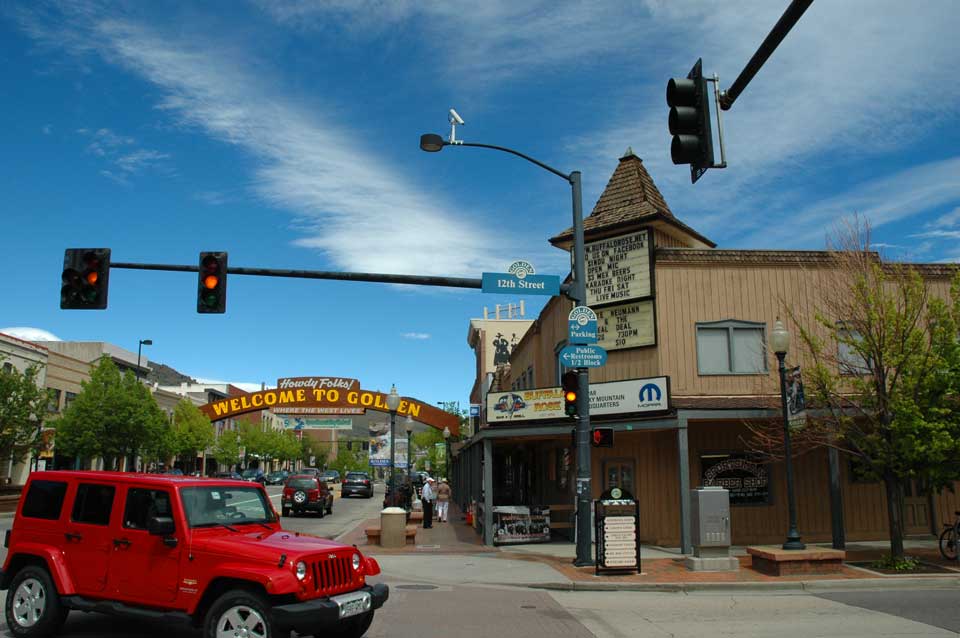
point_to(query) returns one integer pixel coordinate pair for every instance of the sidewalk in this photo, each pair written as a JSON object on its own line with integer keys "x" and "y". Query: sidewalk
{"x": 662, "y": 568}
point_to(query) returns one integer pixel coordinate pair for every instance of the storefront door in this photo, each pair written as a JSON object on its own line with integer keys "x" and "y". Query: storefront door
{"x": 619, "y": 473}
{"x": 916, "y": 509}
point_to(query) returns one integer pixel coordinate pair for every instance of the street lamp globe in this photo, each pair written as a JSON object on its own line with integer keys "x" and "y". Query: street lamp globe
{"x": 779, "y": 338}
{"x": 408, "y": 424}
{"x": 431, "y": 142}
{"x": 446, "y": 433}
{"x": 393, "y": 399}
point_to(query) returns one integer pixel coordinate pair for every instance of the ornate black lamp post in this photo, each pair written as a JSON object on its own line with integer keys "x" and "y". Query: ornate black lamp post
{"x": 143, "y": 342}
{"x": 780, "y": 341}
{"x": 393, "y": 402}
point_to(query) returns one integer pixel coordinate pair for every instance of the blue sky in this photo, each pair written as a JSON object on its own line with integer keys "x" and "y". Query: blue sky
{"x": 287, "y": 135}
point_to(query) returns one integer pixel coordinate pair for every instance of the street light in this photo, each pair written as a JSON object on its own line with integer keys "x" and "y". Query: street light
{"x": 408, "y": 426}
{"x": 446, "y": 458}
{"x": 143, "y": 342}
{"x": 780, "y": 342}
{"x": 577, "y": 291}
{"x": 393, "y": 402}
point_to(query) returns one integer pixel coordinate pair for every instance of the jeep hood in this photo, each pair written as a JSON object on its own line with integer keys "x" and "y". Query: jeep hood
{"x": 265, "y": 544}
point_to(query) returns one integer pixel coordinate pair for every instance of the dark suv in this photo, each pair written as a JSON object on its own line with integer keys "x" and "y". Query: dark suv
{"x": 158, "y": 548}
{"x": 357, "y": 483}
{"x": 306, "y": 493}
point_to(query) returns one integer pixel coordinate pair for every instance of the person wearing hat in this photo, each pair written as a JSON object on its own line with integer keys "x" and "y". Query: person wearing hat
{"x": 427, "y": 496}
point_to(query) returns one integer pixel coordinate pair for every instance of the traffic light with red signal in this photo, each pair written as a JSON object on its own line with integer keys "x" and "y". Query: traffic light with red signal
{"x": 570, "y": 385}
{"x": 86, "y": 275}
{"x": 212, "y": 284}
{"x": 602, "y": 437}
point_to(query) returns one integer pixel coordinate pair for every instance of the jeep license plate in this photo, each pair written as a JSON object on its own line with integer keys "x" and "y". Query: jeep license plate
{"x": 352, "y": 604}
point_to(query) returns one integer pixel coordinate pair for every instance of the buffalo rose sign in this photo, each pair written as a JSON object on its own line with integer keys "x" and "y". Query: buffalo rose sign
{"x": 332, "y": 395}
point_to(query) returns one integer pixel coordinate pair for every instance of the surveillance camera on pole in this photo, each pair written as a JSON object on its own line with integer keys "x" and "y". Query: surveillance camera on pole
{"x": 454, "y": 120}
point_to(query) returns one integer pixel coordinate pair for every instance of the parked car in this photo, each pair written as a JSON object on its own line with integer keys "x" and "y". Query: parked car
{"x": 277, "y": 478}
{"x": 315, "y": 471}
{"x": 228, "y": 475}
{"x": 304, "y": 493}
{"x": 356, "y": 483}
{"x": 163, "y": 548}
{"x": 253, "y": 474}
{"x": 330, "y": 476}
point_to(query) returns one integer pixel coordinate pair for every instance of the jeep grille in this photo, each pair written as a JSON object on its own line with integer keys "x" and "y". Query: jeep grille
{"x": 334, "y": 575}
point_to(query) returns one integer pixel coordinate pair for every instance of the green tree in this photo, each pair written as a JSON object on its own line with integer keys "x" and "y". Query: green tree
{"x": 352, "y": 459}
{"x": 22, "y": 406}
{"x": 114, "y": 416}
{"x": 884, "y": 373}
{"x": 424, "y": 446}
{"x": 226, "y": 449}
{"x": 192, "y": 431}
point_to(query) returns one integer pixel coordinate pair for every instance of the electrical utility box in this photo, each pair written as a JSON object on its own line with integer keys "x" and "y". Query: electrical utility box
{"x": 710, "y": 530}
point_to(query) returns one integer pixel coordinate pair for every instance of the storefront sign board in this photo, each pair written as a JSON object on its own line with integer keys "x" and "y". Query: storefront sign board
{"x": 617, "y": 523}
{"x": 520, "y": 524}
{"x": 618, "y": 268}
{"x": 629, "y": 325}
{"x": 747, "y": 481}
{"x": 301, "y": 423}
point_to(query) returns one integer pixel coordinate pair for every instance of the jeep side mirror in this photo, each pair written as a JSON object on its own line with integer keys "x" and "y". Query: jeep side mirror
{"x": 161, "y": 526}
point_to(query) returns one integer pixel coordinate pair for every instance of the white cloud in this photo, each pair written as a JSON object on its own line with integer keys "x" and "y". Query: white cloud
{"x": 939, "y": 234}
{"x": 949, "y": 219}
{"x": 416, "y": 335}
{"x": 30, "y": 334}
{"x": 121, "y": 152}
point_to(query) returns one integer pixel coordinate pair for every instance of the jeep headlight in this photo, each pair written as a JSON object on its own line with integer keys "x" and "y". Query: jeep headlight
{"x": 301, "y": 570}
{"x": 356, "y": 561}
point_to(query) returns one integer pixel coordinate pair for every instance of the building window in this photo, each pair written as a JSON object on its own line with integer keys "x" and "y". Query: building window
{"x": 849, "y": 359}
{"x": 53, "y": 404}
{"x": 8, "y": 367}
{"x": 731, "y": 347}
{"x": 68, "y": 398}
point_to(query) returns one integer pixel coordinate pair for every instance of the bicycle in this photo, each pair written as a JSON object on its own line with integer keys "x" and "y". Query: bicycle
{"x": 949, "y": 538}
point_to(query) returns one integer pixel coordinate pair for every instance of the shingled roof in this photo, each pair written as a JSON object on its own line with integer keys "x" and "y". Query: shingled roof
{"x": 630, "y": 198}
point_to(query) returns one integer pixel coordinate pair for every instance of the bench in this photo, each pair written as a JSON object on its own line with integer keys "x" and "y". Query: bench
{"x": 373, "y": 534}
{"x": 415, "y": 517}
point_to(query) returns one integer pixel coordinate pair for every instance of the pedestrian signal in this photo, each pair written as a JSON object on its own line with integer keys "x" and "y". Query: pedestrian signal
{"x": 602, "y": 437}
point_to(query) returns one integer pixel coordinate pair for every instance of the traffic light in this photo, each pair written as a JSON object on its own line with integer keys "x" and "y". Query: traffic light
{"x": 570, "y": 385}
{"x": 689, "y": 121}
{"x": 212, "y": 284}
{"x": 602, "y": 437}
{"x": 86, "y": 273}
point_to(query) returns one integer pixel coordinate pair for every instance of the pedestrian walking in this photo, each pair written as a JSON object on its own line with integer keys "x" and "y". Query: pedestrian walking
{"x": 427, "y": 497}
{"x": 443, "y": 500}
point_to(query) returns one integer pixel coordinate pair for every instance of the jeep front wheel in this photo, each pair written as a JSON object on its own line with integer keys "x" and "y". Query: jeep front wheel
{"x": 239, "y": 613}
{"x": 33, "y": 606}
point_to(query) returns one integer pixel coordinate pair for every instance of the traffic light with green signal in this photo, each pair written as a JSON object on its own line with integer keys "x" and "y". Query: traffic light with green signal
{"x": 570, "y": 385}
{"x": 212, "y": 283}
{"x": 86, "y": 275}
{"x": 689, "y": 122}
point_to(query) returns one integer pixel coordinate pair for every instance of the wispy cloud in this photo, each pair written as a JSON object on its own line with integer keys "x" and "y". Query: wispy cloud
{"x": 213, "y": 198}
{"x": 361, "y": 212}
{"x": 122, "y": 153}
{"x": 949, "y": 219}
{"x": 416, "y": 335}
{"x": 940, "y": 234}
{"x": 30, "y": 334}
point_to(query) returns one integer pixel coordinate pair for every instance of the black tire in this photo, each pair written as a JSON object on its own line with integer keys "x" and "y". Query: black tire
{"x": 239, "y": 606}
{"x": 351, "y": 628}
{"x": 52, "y": 614}
{"x": 948, "y": 543}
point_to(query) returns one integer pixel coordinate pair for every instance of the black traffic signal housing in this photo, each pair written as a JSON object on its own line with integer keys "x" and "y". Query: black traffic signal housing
{"x": 570, "y": 385}
{"x": 689, "y": 122}
{"x": 602, "y": 437}
{"x": 85, "y": 279}
{"x": 212, "y": 283}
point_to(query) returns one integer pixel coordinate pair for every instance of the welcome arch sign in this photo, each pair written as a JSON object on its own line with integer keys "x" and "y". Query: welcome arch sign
{"x": 328, "y": 396}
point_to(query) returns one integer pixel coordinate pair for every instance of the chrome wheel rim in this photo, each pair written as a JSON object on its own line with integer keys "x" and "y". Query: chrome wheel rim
{"x": 299, "y": 497}
{"x": 29, "y": 602}
{"x": 241, "y": 622}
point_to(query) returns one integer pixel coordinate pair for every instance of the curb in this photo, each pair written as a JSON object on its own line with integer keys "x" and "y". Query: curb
{"x": 932, "y": 582}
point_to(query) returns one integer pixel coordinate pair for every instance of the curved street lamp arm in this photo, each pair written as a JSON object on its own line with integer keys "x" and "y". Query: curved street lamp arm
{"x": 513, "y": 152}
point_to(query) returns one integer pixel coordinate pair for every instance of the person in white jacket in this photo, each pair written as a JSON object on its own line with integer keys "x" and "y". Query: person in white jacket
{"x": 426, "y": 497}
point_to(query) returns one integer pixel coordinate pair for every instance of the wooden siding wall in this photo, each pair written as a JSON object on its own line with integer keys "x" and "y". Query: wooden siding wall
{"x": 661, "y": 239}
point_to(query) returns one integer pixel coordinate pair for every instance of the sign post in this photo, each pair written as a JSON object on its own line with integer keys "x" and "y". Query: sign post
{"x": 617, "y": 523}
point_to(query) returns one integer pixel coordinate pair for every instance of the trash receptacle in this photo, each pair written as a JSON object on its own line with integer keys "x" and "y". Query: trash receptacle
{"x": 393, "y": 527}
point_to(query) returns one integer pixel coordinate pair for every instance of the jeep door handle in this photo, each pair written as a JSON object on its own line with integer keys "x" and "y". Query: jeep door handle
{"x": 121, "y": 542}
{"x": 72, "y": 537}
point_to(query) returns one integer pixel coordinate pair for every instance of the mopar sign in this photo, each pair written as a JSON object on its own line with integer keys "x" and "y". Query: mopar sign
{"x": 652, "y": 392}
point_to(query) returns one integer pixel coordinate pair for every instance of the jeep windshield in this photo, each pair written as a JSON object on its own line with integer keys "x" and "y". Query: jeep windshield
{"x": 219, "y": 506}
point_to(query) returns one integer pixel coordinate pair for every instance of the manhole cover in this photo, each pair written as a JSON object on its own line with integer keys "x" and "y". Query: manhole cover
{"x": 417, "y": 587}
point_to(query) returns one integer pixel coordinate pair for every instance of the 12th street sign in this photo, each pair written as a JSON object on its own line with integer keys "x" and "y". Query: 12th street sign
{"x": 521, "y": 278}
{"x": 582, "y": 325}
{"x": 583, "y": 356}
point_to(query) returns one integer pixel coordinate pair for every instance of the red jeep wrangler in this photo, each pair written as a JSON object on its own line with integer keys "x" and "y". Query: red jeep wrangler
{"x": 210, "y": 552}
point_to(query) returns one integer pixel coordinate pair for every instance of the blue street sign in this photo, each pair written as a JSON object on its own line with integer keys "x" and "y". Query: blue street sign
{"x": 505, "y": 283}
{"x": 583, "y": 325}
{"x": 583, "y": 356}
{"x": 474, "y": 410}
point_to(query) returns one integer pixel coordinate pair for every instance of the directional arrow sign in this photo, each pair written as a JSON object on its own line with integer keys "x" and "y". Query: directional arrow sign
{"x": 583, "y": 356}
{"x": 582, "y": 325}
